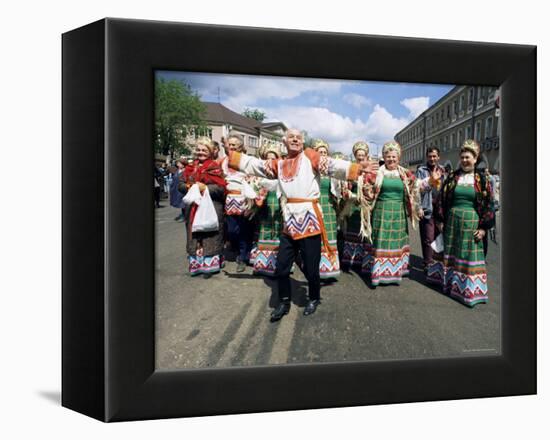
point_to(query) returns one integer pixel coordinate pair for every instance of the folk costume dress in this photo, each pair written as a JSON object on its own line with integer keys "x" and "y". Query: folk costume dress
{"x": 270, "y": 225}
{"x": 303, "y": 223}
{"x": 465, "y": 206}
{"x": 357, "y": 249}
{"x": 396, "y": 198}
{"x": 204, "y": 249}
{"x": 329, "y": 267}
{"x": 240, "y": 229}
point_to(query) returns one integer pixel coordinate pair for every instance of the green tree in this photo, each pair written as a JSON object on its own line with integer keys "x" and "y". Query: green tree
{"x": 255, "y": 114}
{"x": 178, "y": 113}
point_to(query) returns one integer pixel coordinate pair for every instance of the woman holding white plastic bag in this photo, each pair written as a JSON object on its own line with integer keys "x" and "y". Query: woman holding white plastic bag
{"x": 203, "y": 178}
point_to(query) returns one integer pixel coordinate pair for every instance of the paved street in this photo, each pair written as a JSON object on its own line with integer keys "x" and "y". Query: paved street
{"x": 224, "y": 321}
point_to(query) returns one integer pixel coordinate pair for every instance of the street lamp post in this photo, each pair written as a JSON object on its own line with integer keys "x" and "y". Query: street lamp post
{"x": 376, "y": 144}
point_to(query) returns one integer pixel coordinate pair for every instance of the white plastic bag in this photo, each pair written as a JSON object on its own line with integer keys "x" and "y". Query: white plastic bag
{"x": 206, "y": 219}
{"x": 438, "y": 244}
{"x": 193, "y": 195}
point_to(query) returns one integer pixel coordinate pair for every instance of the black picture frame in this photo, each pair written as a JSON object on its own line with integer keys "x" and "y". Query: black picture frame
{"x": 108, "y": 222}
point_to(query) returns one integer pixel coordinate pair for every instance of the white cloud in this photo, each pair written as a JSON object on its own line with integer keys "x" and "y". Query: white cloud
{"x": 382, "y": 125}
{"x": 341, "y": 132}
{"x": 319, "y": 101}
{"x": 238, "y": 92}
{"x": 356, "y": 100}
{"x": 416, "y": 105}
{"x": 313, "y": 114}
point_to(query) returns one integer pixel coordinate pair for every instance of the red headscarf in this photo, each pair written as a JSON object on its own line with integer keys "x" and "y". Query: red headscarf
{"x": 208, "y": 172}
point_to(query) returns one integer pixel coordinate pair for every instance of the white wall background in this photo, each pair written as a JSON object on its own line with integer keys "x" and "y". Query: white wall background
{"x": 30, "y": 231}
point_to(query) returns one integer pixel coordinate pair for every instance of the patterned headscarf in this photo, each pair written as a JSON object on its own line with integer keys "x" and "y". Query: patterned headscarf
{"x": 318, "y": 143}
{"x": 269, "y": 148}
{"x": 391, "y": 146}
{"x": 361, "y": 145}
{"x": 471, "y": 146}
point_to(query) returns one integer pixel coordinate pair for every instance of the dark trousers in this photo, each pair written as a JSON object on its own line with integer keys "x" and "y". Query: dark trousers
{"x": 428, "y": 231}
{"x": 239, "y": 232}
{"x": 156, "y": 193}
{"x": 309, "y": 249}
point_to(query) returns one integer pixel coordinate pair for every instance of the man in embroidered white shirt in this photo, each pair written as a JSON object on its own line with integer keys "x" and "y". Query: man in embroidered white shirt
{"x": 303, "y": 230}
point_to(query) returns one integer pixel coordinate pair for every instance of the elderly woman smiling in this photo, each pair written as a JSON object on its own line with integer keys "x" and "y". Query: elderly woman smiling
{"x": 356, "y": 249}
{"x": 395, "y": 197}
{"x": 204, "y": 249}
{"x": 466, "y": 211}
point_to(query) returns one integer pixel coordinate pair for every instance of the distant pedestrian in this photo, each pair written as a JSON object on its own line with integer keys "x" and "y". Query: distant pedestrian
{"x": 157, "y": 176}
{"x": 176, "y": 196}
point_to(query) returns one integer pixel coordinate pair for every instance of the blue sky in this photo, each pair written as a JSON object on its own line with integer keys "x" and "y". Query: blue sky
{"x": 339, "y": 111}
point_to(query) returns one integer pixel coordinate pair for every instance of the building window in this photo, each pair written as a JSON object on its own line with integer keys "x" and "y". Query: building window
{"x": 489, "y": 127}
{"x": 446, "y": 143}
{"x": 480, "y": 93}
{"x": 252, "y": 142}
{"x": 460, "y": 138}
{"x": 454, "y": 108}
{"x": 468, "y": 132}
{"x": 461, "y": 108}
{"x": 478, "y": 131}
{"x": 453, "y": 140}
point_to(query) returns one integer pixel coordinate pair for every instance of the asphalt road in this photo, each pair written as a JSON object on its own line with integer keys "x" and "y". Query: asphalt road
{"x": 224, "y": 321}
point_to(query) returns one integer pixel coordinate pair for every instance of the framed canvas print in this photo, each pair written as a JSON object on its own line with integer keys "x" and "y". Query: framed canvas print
{"x": 265, "y": 219}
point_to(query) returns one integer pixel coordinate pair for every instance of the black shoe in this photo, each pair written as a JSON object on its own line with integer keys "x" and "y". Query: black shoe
{"x": 311, "y": 306}
{"x": 281, "y": 310}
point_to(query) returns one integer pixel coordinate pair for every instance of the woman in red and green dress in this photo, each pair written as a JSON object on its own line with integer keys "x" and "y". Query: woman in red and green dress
{"x": 395, "y": 198}
{"x": 465, "y": 211}
{"x": 329, "y": 267}
{"x": 270, "y": 220}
